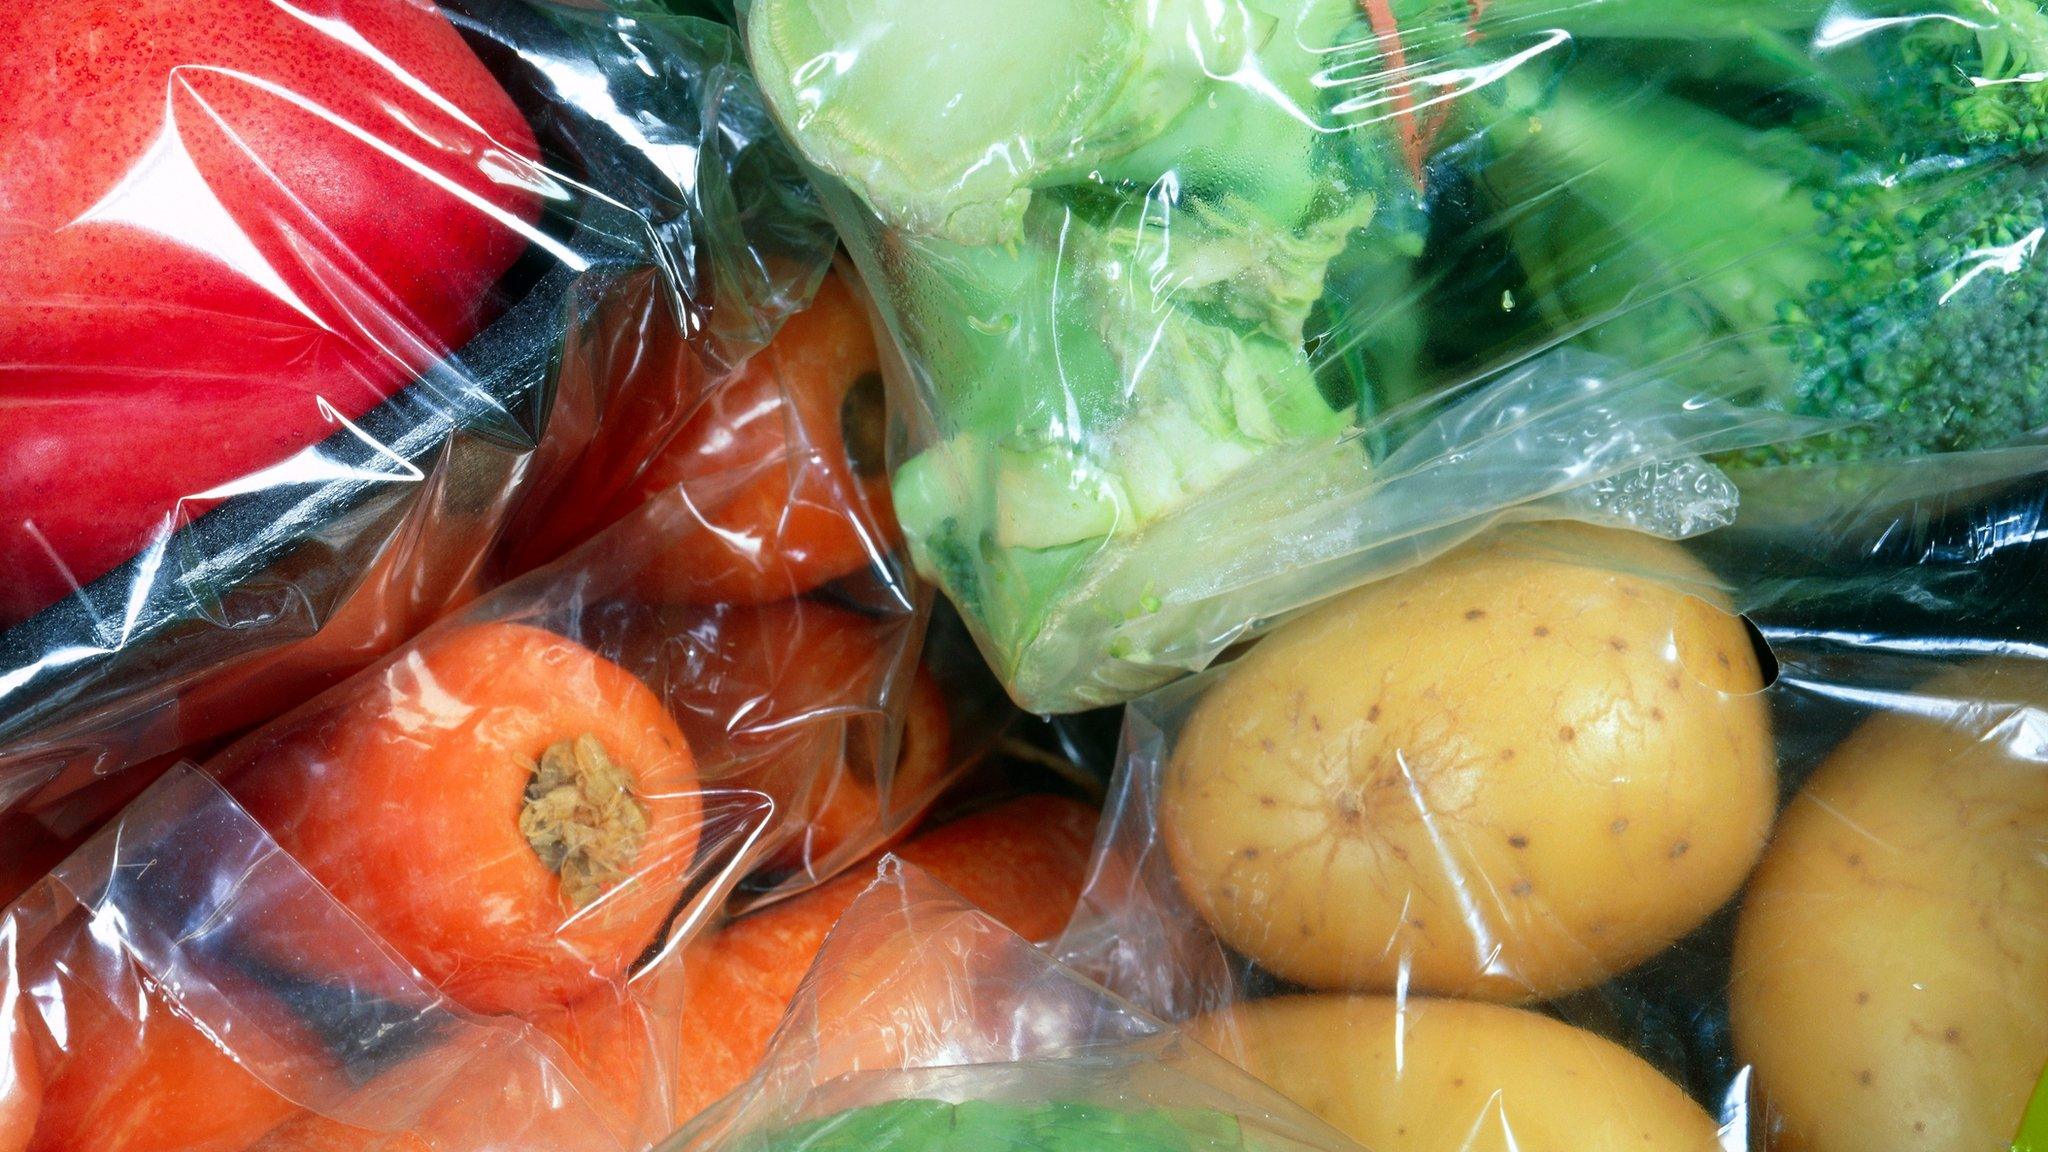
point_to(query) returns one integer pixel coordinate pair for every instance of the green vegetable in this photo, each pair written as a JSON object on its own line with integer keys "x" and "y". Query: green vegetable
{"x": 1106, "y": 233}
{"x": 982, "y": 1126}
{"x": 1866, "y": 259}
{"x": 2033, "y": 1133}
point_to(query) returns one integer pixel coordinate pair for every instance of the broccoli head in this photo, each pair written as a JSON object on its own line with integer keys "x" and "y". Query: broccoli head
{"x": 1867, "y": 259}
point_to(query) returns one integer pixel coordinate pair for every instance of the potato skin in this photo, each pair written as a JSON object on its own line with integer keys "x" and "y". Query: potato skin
{"x": 1891, "y": 959}
{"x": 1428, "y": 1075}
{"x": 1508, "y": 774}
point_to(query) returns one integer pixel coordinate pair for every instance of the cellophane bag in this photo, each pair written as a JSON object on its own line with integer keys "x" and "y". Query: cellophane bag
{"x": 307, "y": 302}
{"x": 1543, "y": 846}
{"x": 925, "y": 1024}
{"x": 455, "y": 901}
{"x": 1208, "y": 311}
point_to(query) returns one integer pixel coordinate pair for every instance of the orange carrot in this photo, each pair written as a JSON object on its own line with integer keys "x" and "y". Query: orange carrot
{"x": 782, "y": 467}
{"x": 779, "y": 703}
{"x": 127, "y": 1073}
{"x": 1022, "y": 862}
{"x": 21, "y": 1080}
{"x": 312, "y": 1132}
{"x": 512, "y": 812}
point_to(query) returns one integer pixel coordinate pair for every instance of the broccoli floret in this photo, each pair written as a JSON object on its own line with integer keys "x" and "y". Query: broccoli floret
{"x": 1880, "y": 278}
{"x": 1935, "y": 336}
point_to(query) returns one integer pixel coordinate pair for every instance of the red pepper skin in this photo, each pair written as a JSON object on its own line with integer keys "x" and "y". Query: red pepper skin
{"x": 226, "y": 226}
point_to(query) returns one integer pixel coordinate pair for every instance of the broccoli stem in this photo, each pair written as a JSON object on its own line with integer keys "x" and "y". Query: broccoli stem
{"x": 1722, "y": 207}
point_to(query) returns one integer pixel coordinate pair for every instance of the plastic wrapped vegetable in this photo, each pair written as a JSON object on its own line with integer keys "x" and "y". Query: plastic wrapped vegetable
{"x": 304, "y": 300}
{"x": 926, "y": 1025}
{"x": 453, "y": 902}
{"x": 1837, "y": 212}
{"x": 1537, "y": 846}
{"x": 1212, "y": 311}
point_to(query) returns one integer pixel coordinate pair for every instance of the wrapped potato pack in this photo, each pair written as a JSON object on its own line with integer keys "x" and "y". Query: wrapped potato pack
{"x": 1540, "y": 846}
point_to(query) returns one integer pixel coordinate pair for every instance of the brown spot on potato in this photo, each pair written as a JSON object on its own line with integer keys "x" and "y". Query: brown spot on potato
{"x": 1250, "y": 853}
{"x": 1674, "y": 683}
{"x": 1657, "y": 714}
{"x": 1919, "y": 1125}
{"x": 1475, "y": 613}
{"x": 1265, "y": 743}
{"x": 1952, "y": 1034}
{"x": 1567, "y": 734}
{"x": 1864, "y": 1077}
{"x": 1518, "y": 841}
{"x": 1617, "y": 643}
{"x": 1507, "y": 754}
{"x": 1862, "y": 997}
{"x": 1457, "y": 1081}
{"x": 1348, "y": 811}
{"x": 1316, "y": 722}
{"x": 1543, "y": 630}
{"x": 1521, "y": 888}
{"x": 1372, "y": 713}
{"x": 1268, "y": 802}
{"x": 1721, "y": 658}
{"x": 1419, "y": 924}
{"x": 1681, "y": 848}
{"x": 1619, "y": 826}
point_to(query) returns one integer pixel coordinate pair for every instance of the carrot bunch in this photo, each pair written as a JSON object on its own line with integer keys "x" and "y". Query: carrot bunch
{"x": 518, "y": 804}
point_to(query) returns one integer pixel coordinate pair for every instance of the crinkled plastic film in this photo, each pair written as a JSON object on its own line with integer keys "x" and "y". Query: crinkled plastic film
{"x": 1540, "y": 846}
{"x": 1208, "y": 312}
{"x": 188, "y": 985}
{"x": 461, "y": 900}
{"x": 927, "y": 1024}
{"x": 314, "y": 311}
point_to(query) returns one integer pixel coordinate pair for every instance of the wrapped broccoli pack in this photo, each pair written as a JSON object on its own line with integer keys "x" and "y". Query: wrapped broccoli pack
{"x": 927, "y": 1026}
{"x": 1529, "y": 849}
{"x": 308, "y": 304}
{"x": 1210, "y": 311}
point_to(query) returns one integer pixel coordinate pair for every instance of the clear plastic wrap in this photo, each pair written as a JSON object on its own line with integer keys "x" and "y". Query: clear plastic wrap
{"x": 1541, "y": 846}
{"x": 307, "y": 302}
{"x": 1208, "y": 311}
{"x": 926, "y": 1024}
{"x": 474, "y": 896}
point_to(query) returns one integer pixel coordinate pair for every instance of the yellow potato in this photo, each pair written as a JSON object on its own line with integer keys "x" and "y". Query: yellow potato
{"x": 1891, "y": 961}
{"x": 1507, "y": 774}
{"x": 1458, "y": 1076}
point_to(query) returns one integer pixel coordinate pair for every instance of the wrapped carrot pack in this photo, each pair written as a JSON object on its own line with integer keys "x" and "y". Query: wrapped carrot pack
{"x": 926, "y": 1025}
{"x": 472, "y": 897}
{"x": 1541, "y": 846}
{"x": 312, "y": 303}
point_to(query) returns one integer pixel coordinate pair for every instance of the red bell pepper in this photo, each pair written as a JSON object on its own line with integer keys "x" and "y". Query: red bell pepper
{"x": 226, "y": 227}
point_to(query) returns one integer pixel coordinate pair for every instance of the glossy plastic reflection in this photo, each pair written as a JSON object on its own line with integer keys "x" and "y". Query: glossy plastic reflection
{"x": 1211, "y": 311}
{"x": 924, "y": 1023}
{"x": 1534, "y": 847}
{"x": 298, "y": 296}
